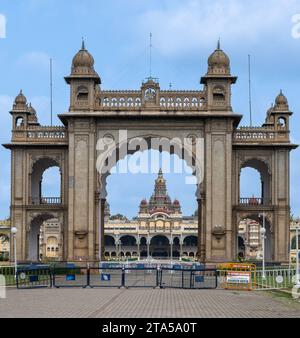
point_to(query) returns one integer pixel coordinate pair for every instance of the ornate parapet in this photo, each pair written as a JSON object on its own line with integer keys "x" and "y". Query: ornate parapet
{"x": 260, "y": 135}
{"x": 161, "y": 100}
{"x": 40, "y": 134}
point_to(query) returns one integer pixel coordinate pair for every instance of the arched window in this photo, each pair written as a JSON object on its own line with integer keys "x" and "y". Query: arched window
{"x": 281, "y": 122}
{"x": 219, "y": 93}
{"x": 255, "y": 183}
{"x": 82, "y": 94}
{"x": 109, "y": 240}
{"x": 19, "y": 122}
{"x": 46, "y": 182}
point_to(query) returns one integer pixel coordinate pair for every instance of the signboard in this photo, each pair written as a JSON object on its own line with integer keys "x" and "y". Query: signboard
{"x": 199, "y": 279}
{"x": 70, "y": 278}
{"x": 105, "y": 277}
{"x": 238, "y": 277}
{"x": 33, "y": 279}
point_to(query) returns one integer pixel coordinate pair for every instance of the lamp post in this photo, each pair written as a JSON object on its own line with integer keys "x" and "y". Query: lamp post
{"x": 14, "y": 231}
{"x": 263, "y": 238}
{"x": 297, "y": 227}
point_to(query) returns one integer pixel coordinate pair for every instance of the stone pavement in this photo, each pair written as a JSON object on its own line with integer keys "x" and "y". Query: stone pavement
{"x": 147, "y": 303}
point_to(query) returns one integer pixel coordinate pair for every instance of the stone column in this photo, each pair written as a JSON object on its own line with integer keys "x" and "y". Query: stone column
{"x": 101, "y": 229}
{"x": 117, "y": 246}
{"x": 148, "y": 246}
{"x": 201, "y": 233}
{"x": 138, "y": 246}
{"x": 181, "y": 247}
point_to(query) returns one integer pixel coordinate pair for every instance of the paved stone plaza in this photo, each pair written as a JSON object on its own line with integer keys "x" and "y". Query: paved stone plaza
{"x": 147, "y": 303}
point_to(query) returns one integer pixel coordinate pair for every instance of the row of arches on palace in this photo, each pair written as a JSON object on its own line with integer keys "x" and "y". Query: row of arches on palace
{"x": 154, "y": 245}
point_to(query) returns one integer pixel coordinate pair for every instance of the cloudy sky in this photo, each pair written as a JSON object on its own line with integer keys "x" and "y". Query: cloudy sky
{"x": 117, "y": 34}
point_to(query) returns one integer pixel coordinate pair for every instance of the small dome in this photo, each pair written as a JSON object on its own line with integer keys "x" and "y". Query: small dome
{"x": 281, "y": 99}
{"x": 218, "y": 58}
{"x": 31, "y": 109}
{"x": 144, "y": 202}
{"x": 83, "y": 58}
{"x": 21, "y": 99}
{"x": 176, "y": 202}
{"x": 218, "y": 62}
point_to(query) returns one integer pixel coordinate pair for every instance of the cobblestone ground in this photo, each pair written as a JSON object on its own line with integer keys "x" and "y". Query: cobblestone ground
{"x": 147, "y": 303}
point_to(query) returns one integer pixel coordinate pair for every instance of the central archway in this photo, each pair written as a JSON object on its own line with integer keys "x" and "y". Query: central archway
{"x": 191, "y": 155}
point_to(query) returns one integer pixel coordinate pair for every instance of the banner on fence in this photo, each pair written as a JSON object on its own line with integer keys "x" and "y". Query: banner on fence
{"x": 236, "y": 276}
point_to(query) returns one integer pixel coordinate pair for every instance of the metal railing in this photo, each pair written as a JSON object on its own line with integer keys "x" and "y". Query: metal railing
{"x": 34, "y": 278}
{"x": 140, "y": 276}
{"x": 276, "y": 279}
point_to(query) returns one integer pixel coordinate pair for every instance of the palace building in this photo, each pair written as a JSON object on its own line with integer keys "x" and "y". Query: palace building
{"x": 94, "y": 114}
{"x": 159, "y": 231}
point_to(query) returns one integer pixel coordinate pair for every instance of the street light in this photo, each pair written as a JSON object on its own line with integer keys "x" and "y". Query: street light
{"x": 14, "y": 231}
{"x": 263, "y": 237}
{"x": 297, "y": 227}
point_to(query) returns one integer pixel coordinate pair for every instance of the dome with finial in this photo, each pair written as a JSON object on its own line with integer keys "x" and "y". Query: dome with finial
{"x": 20, "y": 102}
{"x": 176, "y": 202}
{"x": 281, "y": 102}
{"x": 83, "y": 58}
{"x": 281, "y": 99}
{"x": 20, "y": 99}
{"x": 31, "y": 109}
{"x": 83, "y": 64}
{"x": 32, "y": 117}
{"x": 219, "y": 62}
{"x": 144, "y": 202}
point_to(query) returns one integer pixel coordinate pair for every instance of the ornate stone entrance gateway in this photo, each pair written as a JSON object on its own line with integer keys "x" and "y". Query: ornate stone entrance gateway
{"x": 102, "y": 127}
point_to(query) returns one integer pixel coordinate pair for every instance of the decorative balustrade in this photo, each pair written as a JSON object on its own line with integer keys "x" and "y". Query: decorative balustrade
{"x": 254, "y": 135}
{"x": 254, "y": 201}
{"x": 40, "y": 134}
{"x": 165, "y": 100}
{"x": 46, "y": 201}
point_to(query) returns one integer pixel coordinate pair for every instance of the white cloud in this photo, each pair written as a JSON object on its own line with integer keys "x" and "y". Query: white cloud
{"x": 35, "y": 59}
{"x": 196, "y": 23}
{"x": 2, "y": 26}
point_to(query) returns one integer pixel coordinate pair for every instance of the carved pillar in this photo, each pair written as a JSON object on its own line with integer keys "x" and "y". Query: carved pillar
{"x": 201, "y": 232}
{"x": 101, "y": 229}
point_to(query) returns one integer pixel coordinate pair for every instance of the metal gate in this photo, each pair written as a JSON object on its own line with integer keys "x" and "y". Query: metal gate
{"x": 188, "y": 278}
{"x": 32, "y": 278}
{"x": 117, "y": 277}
